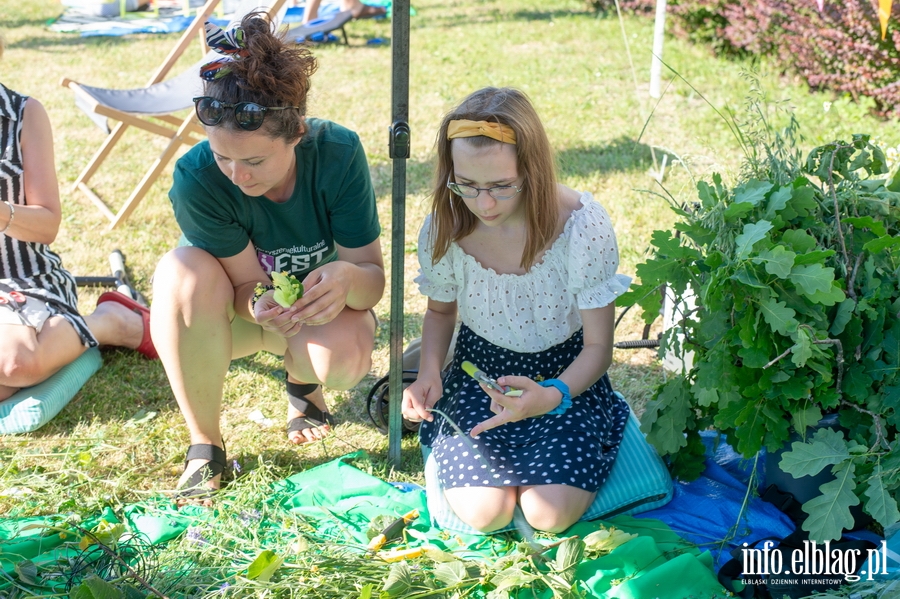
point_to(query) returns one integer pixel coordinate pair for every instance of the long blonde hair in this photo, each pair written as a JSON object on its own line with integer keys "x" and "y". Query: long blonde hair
{"x": 451, "y": 220}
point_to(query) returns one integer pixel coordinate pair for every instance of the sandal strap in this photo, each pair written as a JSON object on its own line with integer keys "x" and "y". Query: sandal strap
{"x": 300, "y": 389}
{"x": 310, "y": 410}
{"x": 297, "y": 393}
{"x": 313, "y": 415}
{"x": 301, "y": 423}
{"x": 214, "y": 454}
{"x": 194, "y": 487}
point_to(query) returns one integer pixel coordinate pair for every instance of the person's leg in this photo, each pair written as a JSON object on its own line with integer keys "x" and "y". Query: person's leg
{"x": 357, "y": 8}
{"x": 360, "y": 10}
{"x": 311, "y": 10}
{"x": 484, "y": 508}
{"x": 28, "y": 358}
{"x": 336, "y": 355}
{"x": 192, "y": 331}
{"x": 554, "y": 508}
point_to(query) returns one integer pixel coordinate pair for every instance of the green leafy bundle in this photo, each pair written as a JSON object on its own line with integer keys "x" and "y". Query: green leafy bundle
{"x": 288, "y": 289}
{"x": 794, "y": 274}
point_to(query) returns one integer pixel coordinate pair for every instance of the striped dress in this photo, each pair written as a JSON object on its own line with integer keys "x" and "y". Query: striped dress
{"x": 25, "y": 266}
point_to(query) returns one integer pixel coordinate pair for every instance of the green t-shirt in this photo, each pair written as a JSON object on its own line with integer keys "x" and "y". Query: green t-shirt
{"x": 333, "y": 202}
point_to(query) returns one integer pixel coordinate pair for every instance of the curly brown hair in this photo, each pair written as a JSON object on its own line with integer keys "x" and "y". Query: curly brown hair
{"x": 273, "y": 73}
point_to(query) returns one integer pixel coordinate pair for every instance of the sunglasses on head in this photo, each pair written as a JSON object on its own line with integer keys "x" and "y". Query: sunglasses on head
{"x": 248, "y": 115}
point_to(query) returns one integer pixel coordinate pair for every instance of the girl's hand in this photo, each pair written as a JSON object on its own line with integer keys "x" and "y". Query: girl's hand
{"x": 325, "y": 294}
{"x": 420, "y": 397}
{"x": 534, "y": 401}
{"x": 272, "y": 317}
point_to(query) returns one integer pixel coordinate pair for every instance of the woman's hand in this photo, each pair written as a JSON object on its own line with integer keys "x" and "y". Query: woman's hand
{"x": 324, "y": 293}
{"x": 272, "y": 317}
{"x": 534, "y": 401}
{"x": 420, "y": 397}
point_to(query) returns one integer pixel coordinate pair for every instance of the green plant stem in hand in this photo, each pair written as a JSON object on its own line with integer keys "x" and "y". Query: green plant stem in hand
{"x": 288, "y": 289}
{"x": 487, "y": 381}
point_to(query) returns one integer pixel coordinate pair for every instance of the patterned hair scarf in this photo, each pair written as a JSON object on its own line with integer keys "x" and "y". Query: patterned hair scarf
{"x": 231, "y": 44}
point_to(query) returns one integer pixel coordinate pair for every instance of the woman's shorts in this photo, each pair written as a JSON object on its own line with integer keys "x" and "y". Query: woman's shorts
{"x": 16, "y": 308}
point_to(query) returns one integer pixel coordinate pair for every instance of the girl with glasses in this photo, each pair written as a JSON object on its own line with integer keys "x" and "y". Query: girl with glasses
{"x": 528, "y": 266}
{"x": 270, "y": 191}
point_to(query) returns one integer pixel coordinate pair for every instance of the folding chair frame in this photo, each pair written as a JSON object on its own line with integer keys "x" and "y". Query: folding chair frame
{"x": 177, "y": 130}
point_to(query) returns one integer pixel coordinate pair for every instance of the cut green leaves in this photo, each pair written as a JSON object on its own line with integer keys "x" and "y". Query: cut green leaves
{"x": 287, "y": 289}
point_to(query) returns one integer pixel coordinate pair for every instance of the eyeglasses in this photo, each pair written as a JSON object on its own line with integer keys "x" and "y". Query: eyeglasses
{"x": 500, "y": 192}
{"x": 248, "y": 115}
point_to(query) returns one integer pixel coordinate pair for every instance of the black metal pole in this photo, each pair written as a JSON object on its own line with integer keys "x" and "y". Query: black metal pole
{"x": 399, "y": 152}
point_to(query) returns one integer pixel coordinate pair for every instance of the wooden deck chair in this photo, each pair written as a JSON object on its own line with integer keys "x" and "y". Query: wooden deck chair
{"x": 151, "y": 108}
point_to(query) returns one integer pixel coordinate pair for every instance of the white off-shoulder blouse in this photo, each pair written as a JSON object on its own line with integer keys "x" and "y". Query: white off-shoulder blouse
{"x": 539, "y": 309}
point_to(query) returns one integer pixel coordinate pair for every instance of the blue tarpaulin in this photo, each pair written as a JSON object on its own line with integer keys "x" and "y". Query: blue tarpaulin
{"x": 717, "y": 511}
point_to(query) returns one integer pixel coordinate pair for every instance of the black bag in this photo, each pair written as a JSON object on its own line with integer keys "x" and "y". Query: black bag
{"x": 378, "y": 400}
{"x": 378, "y": 403}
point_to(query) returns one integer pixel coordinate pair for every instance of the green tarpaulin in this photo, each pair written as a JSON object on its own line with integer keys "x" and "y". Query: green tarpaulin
{"x": 337, "y": 504}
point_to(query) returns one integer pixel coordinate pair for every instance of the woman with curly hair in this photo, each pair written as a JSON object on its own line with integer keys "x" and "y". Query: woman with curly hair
{"x": 269, "y": 192}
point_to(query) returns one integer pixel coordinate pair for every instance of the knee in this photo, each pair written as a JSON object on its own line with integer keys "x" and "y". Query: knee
{"x": 189, "y": 275}
{"x": 485, "y": 517}
{"x": 551, "y": 520}
{"x": 21, "y": 368}
{"x": 348, "y": 361}
{"x": 349, "y": 371}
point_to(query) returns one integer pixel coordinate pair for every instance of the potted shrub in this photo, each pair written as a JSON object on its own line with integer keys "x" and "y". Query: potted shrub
{"x": 795, "y": 272}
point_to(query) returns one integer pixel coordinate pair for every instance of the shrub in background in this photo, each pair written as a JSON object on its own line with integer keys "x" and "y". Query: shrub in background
{"x": 838, "y": 49}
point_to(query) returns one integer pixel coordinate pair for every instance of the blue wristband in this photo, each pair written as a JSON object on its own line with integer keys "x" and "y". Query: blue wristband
{"x": 566, "y": 401}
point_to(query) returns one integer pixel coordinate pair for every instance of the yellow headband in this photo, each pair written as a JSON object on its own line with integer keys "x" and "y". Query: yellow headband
{"x": 502, "y": 133}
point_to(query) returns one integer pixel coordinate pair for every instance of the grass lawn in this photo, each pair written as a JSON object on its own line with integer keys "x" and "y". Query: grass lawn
{"x": 577, "y": 69}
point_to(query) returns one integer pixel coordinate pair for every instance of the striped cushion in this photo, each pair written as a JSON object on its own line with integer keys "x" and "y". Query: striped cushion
{"x": 638, "y": 482}
{"x": 33, "y": 407}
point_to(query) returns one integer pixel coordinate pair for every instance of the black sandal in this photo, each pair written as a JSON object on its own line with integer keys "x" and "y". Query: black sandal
{"x": 195, "y": 487}
{"x": 313, "y": 416}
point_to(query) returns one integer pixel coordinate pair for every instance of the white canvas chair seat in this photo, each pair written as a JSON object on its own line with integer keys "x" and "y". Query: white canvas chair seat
{"x": 152, "y": 108}
{"x": 157, "y": 100}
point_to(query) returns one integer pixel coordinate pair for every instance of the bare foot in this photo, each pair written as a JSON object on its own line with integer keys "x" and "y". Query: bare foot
{"x": 120, "y": 326}
{"x": 310, "y": 434}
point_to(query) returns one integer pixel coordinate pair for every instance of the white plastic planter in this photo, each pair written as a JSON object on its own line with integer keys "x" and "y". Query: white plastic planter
{"x": 673, "y": 314}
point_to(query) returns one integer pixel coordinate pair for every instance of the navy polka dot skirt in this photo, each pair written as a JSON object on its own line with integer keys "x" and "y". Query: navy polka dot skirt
{"x": 577, "y": 448}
